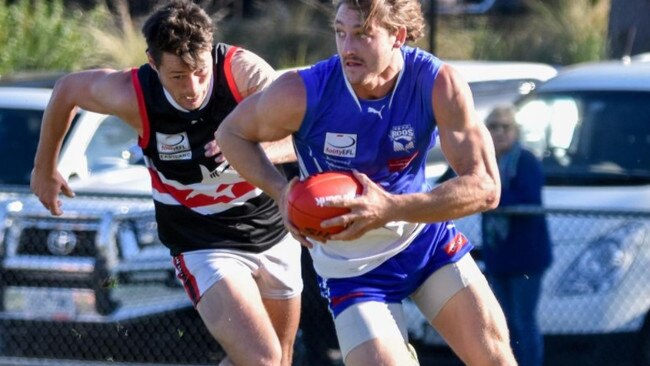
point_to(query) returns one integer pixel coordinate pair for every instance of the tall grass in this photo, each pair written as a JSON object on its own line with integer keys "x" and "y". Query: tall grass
{"x": 289, "y": 33}
{"x": 39, "y": 35}
{"x": 118, "y": 40}
{"x": 565, "y": 32}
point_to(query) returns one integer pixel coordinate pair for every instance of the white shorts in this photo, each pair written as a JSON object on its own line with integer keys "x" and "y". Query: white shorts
{"x": 364, "y": 321}
{"x": 277, "y": 270}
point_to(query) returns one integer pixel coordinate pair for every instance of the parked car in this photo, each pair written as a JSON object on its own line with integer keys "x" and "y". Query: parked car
{"x": 590, "y": 127}
{"x": 95, "y": 143}
{"x": 493, "y": 83}
{"x": 98, "y": 266}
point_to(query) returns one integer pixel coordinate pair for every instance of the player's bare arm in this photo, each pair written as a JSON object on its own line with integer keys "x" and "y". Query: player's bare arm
{"x": 103, "y": 91}
{"x": 272, "y": 115}
{"x": 252, "y": 74}
{"x": 269, "y": 116}
{"x": 468, "y": 148}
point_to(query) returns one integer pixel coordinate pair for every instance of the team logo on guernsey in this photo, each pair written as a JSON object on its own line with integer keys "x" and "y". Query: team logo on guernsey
{"x": 403, "y": 138}
{"x": 341, "y": 144}
{"x": 173, "y": 147}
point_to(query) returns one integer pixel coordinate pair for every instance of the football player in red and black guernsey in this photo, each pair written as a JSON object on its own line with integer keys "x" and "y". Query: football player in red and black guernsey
{"x": 227, "y": 239}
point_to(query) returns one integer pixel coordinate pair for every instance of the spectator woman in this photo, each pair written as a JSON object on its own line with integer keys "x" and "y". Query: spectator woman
{"x": 517, "y": 248}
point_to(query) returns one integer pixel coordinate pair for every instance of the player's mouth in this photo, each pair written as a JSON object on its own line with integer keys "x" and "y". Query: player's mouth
{"x": 192, "y": 102}
{"x": 353, "y": 62}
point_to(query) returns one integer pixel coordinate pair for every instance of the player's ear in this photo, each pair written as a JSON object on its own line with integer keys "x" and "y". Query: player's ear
{"x": 400, "y": 37}
{"x": 151, "y": 61}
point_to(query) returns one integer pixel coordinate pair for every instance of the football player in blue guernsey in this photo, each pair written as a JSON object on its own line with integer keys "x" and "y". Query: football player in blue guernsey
{"x": 231, "y": 251}
{"x": 376, "y": 108}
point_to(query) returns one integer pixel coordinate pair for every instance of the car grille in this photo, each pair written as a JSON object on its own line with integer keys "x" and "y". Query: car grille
{"x": 44, "y": 242}
{"x": 63, "y": 238}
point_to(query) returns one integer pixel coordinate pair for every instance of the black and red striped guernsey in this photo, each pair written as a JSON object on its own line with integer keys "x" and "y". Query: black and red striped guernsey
{"x": 198, "y": 204}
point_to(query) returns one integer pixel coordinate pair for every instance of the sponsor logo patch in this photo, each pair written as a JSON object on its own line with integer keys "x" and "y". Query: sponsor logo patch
{"x": 173, "y": 147}
{"x": 341, "y": 144}
{"x": 456, "y": 244}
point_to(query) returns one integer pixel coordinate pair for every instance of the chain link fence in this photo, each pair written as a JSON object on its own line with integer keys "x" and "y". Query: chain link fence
{"x": 96, "y": 285}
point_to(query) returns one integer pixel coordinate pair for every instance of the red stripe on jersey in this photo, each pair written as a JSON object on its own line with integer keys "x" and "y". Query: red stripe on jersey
{"x": 143, "y": 140}
{"x": 395, "y": 165}
{"x": 190, "y": 198}
{"x": 230, "y": 78}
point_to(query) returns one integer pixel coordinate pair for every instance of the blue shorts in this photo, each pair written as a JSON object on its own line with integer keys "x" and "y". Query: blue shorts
{"x": 398, "y": 277}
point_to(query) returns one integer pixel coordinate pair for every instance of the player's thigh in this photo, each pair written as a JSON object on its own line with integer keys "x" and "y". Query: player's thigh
{"x": 373, "y": 333}
{"x": 474, "y": 326}
{"x": 232, "y": 309}
{"x": 458, "y": 302}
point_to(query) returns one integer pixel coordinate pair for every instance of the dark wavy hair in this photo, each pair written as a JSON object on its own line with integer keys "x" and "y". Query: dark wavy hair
{"x": 390, "y": 14}
{"x": 181, "y": 28}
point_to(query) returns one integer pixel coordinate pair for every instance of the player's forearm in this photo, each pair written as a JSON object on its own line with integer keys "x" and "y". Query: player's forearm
{"x": 251, "y": 162}
{"x": 56, "y": 122}
{"x": 281, "y": 151}
{"x": 455, "y": 198}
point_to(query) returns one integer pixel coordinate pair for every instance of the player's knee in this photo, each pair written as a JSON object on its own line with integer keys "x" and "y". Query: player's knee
{"x": 267, "y": 354}
{"x": 271, "y": 357}
{"x": 382, "y": 352}
{"x": 496, "y": 348}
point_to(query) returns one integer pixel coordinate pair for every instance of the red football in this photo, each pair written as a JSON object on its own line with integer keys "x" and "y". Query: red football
{"x": 306, "y": 210}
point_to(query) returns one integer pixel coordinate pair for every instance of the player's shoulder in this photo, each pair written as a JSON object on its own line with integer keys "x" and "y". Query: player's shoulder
{"x": 246, "y": 59}
{"x": 290, "y": 84}
{"x": 105, "y": 80}
{"x": 449, "y": 79}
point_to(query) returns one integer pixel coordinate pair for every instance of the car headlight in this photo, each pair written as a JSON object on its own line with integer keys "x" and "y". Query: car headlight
{"x": 604, "y": 261}
{"x": 146, "y": 230}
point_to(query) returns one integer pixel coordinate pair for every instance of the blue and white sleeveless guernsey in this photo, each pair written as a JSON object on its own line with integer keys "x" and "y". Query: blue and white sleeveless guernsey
{"x": 387, "y": 139}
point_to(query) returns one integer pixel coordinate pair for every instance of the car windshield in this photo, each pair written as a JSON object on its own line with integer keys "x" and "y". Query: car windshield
{"x": 582, "y": 138}
{"x": 19, "y": 132}
{"x": 114, "y": 145}
{"x": 491, "y": 93}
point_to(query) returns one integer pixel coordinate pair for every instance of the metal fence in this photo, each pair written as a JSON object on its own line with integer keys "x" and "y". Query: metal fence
{"x": 94, "y": 285}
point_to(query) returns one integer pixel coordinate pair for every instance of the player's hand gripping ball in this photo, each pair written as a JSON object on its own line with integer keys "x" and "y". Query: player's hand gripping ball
{"x": 306, "y": 198}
